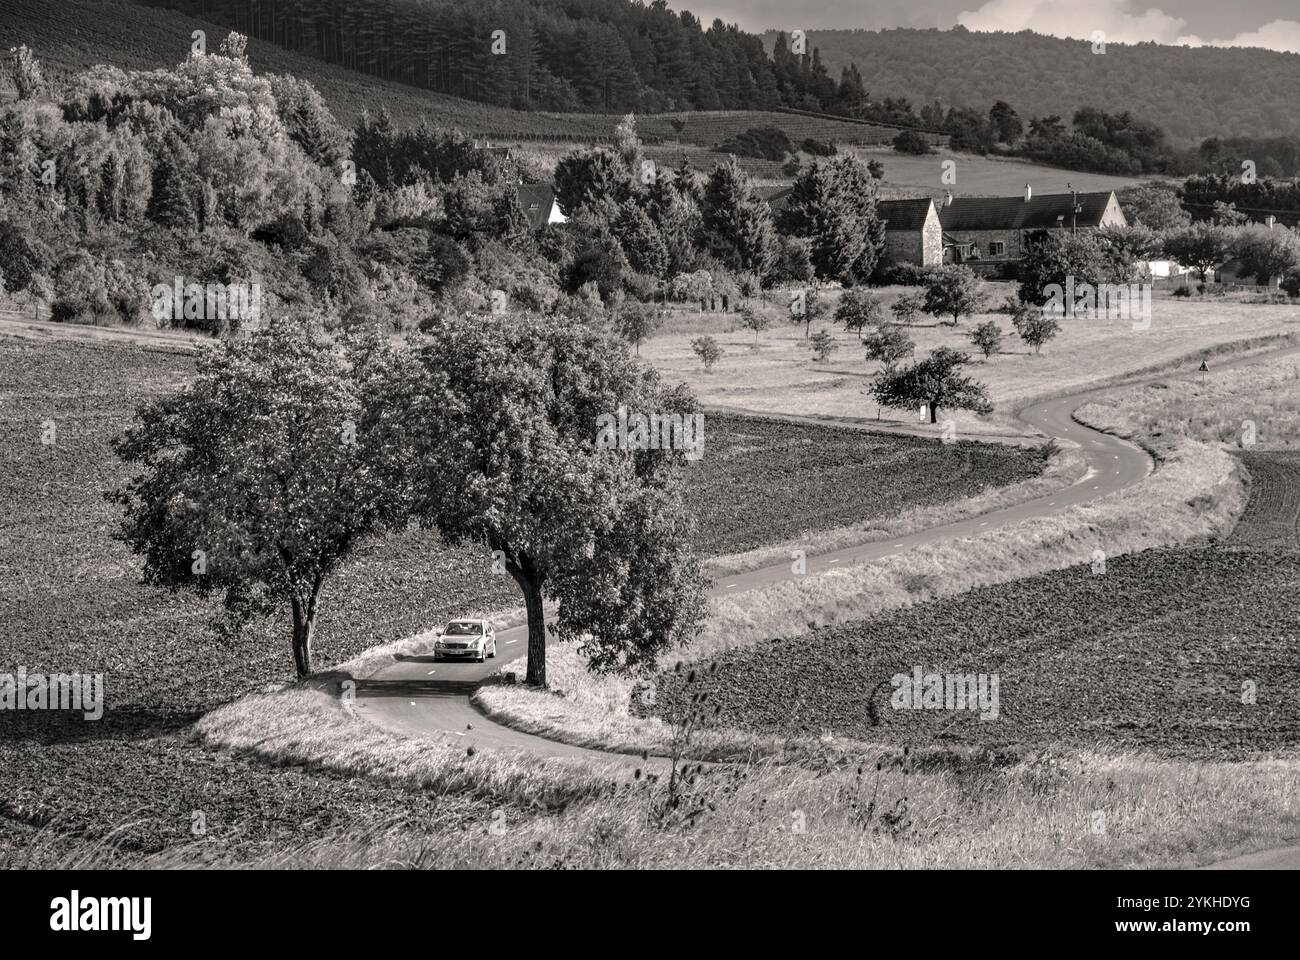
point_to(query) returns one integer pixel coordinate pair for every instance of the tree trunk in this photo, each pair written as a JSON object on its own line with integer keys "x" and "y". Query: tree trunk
{"x": 303, "y": 622}
{"x": 934, "y": 413}
{"x": 531, "y": 584}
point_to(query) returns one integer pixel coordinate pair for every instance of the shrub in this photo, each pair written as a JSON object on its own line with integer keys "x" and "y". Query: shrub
{"x": 707, "y": 349}
{"x": 761, "y": 143}
{"x": 910, "y": 141}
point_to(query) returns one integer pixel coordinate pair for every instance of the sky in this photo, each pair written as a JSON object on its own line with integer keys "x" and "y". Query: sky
{"x": 1274, "y": 24}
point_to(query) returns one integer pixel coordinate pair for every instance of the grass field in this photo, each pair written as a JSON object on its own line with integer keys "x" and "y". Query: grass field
{"x": 1248, "y": 407}
{"x": 975, "y": 176}
{"x": 782, "y": 377}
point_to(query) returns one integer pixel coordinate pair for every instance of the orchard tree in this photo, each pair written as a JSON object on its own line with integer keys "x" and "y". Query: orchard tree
{"x": 805, "y": 307}
{"x": 255, "y": 481}
{"x": 707, "y": 349}
{"x": 888, "y": 344}
{"x": 987, "y": 338}
{"x": 906, "y": 308}
{"x": 823, "y": 345}
{"x": 1035, "y": 325}
{"x": 858, "y": 310}
{"x": 953, "y": 291}
{"x": 1200, "y": 245}
{"x": 936, "y": 381}
{"x": 501, "y": 420}
{"x": 755, "y": 320}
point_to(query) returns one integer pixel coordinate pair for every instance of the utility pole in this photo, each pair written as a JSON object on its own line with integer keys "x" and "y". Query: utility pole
{"x": 1074, "y": 208}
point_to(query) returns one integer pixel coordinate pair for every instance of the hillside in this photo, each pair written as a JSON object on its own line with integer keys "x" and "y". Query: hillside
{"x": 1192, "y": 93}
{"x": 74, "y": 34}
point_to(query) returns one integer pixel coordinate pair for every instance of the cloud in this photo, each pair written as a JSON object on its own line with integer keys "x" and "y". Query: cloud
{"x": 1283, "y": 35}
{"x": 1069, "y": 18}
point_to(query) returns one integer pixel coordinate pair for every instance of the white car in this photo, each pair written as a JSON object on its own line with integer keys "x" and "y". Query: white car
{"x": 466, "y": 639}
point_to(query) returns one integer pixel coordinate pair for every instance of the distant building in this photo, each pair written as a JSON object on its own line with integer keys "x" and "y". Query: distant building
{"x": 992, "y": 234}
{"x": 539, "y": 205}
{"x": 913, "y": 233}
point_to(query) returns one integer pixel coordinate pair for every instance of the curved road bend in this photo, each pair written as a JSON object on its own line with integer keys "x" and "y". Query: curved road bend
{"x": 417, "y": 697}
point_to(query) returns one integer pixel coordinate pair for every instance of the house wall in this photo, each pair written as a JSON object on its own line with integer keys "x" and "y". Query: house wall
{"x": 922, "y": 247}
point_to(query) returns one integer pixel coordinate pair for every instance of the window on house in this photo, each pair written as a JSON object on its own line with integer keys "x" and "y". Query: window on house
{"x": 997, "y": 248}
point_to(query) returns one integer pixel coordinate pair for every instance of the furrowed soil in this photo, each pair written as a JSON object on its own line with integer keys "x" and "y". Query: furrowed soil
{"x": 1185, "y": 652}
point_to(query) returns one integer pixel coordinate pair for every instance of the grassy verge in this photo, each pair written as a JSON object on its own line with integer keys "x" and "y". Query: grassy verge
{"x": 306, "y": 727}
{"x": 980, "y": 810}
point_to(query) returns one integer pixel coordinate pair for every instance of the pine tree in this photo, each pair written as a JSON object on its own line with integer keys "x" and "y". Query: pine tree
{"x": 737, "y": 222}
{"x": 169, "y": 201}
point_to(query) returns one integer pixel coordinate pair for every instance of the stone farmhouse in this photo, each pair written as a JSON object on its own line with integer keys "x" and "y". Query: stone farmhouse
{"x": 992, "y": 234}
{"x": 989, "y": 234}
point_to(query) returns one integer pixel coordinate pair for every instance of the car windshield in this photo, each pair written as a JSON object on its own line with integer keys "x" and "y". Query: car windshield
{"x": 463, "y": 629}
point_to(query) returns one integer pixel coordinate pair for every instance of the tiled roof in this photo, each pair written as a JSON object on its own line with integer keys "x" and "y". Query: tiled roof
{"x": 1016, "y": 213}
{"x": 536, "y": 200}
{"x": 904, "y": 214}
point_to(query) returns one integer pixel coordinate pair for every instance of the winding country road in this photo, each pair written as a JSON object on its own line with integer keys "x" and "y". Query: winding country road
{"x": 417, "y": 697}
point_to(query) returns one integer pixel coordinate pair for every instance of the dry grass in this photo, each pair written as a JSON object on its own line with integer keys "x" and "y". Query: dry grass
{"x": 1046, "y": 810}
{"x": 781, "y": 376}
{"x": 1215, "y": 407}
{"x": 307, "y": 727}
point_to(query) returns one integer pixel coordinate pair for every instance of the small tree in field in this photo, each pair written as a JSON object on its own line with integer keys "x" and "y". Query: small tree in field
{"x": 858, "y": 310}
{"x": 1034, "y": 325}
{"x": 935, "y": 381}
{"x": 752, "y": 319}
{"x": 906, "y": 308}
{"x": 823, "y": 345}
{"x": 707, "y": 349}
{"x": 506, "y": 425}
{"x": 255, "y": 481}
{"x": 953, "y": 291}
{"x": 987, "y": 338}
{"x": 888, "y": 344}
{"x": 638, "y": 321}
{"x": 805, "y": 307}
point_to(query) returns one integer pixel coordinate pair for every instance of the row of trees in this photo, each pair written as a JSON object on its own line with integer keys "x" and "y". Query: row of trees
{"x": 290, "y": 448}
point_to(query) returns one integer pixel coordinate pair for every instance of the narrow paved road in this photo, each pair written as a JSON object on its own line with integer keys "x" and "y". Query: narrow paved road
{"x": 417, "y": 697}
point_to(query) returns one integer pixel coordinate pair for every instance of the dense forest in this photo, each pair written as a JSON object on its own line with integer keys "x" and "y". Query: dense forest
{"x": 559, "y": 55}
{"x": 1191, "y": 93}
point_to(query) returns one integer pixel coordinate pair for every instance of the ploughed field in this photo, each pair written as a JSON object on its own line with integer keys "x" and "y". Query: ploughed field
{"x": 1183, "y": 652}
{"x": 1272, "y": 517}
{"x": 70, "y": 597}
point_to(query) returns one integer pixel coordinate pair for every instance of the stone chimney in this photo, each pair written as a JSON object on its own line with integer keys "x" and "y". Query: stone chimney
{"x": 947, "y": 198}
{"x": 1029, "y": 193}
{"x": 1269, "y": 221}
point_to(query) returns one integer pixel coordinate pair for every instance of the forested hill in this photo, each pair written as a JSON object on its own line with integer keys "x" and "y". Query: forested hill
{"x": 1192, "y": 93}
{"x": 556, "y": 55}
